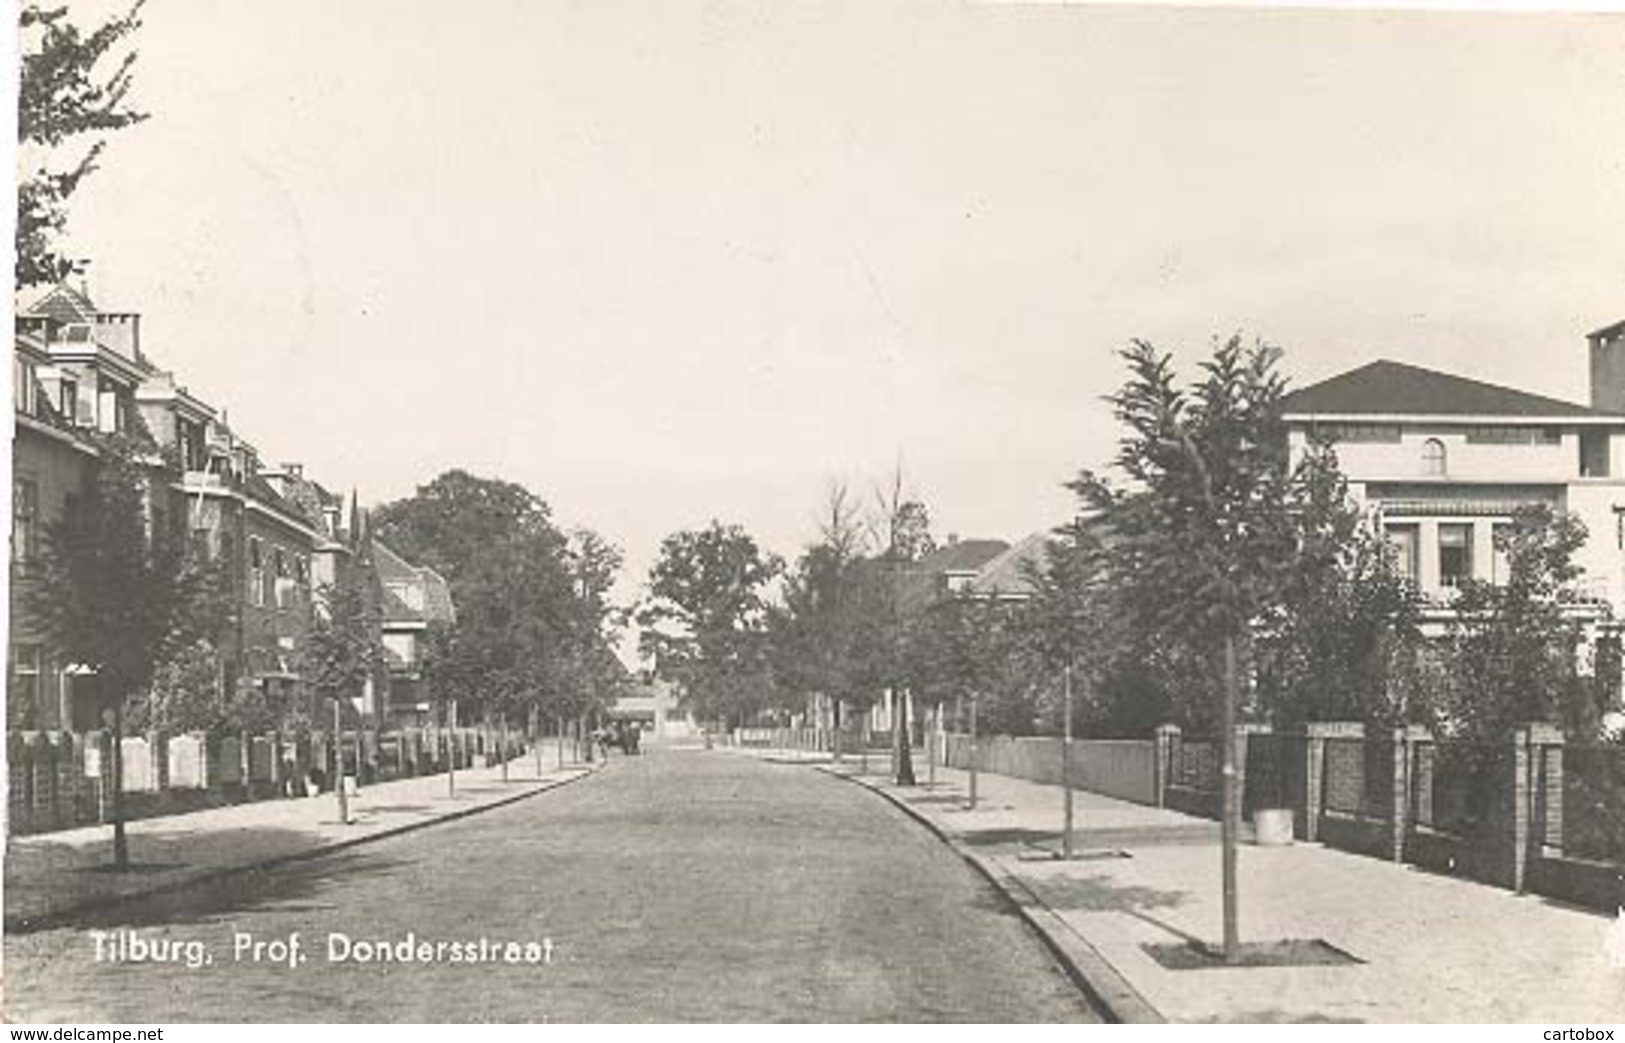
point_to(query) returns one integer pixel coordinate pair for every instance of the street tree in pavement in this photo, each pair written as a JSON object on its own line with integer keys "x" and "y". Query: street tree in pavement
{"x": 705, "y": 622}
{"x": 71, "y": 90}
{"x": 117, "y": 590}
{"x": 1206, "y": 525}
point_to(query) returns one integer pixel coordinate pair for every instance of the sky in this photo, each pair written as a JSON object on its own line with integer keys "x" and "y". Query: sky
{"x": 663, "y": 263}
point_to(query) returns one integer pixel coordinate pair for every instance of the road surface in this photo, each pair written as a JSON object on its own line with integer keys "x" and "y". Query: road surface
{"x": 675, "y": 886}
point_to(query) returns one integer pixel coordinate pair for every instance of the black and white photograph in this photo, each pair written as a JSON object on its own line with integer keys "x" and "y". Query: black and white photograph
{"x": 727, "y": 512}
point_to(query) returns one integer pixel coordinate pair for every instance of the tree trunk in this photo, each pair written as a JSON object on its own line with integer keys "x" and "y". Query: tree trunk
{"x": 905, "y": 756}
{"x": 121, "y": 844}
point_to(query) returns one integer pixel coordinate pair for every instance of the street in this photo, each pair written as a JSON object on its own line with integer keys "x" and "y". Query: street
{"x": 675, "y": 886}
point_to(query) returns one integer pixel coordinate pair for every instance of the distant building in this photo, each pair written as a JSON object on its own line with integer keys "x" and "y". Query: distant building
{"x": 652, "y": 704}
{"x": 413, "y": 598}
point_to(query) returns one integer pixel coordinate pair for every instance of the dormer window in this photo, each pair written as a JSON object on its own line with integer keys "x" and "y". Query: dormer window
{"x": 1434, "y": 461}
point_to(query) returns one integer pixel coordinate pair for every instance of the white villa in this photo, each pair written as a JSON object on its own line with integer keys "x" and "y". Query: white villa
{"x": 1442, "y": 460}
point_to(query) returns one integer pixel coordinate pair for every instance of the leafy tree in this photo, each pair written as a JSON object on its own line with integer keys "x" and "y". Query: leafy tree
{"x": 1511, "y": 648}
{"x": 819, "y": 628}
{"x": 1343, "y": 641}
{"x": 705, "y": 622}
{"x": 345, "y": 647}
{"x": 1211, "y": 532}
{"x": 512, "y": 579}
{"x": 187, "y": 694}
{"x": 67, "y": 93}
{"x": 116, "y": 589}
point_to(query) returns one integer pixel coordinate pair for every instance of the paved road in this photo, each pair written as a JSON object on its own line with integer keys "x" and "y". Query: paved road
{"x": 677, "y": 886}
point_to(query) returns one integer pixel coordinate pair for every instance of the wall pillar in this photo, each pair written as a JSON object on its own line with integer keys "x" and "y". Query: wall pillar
{"x": 1167, "y": 750}
{"x": 1427, "y": 556}
{"x": 1518, "y": 825}
{"x": 1546, "y": 790}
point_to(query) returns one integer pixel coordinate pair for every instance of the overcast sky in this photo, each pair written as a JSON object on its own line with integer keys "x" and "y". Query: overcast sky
{"x": 668, "y": 262}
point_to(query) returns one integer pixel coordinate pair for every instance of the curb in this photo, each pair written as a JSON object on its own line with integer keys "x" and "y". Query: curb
{"x": 31, "y": 923}
{"x": 1089, "y": 970}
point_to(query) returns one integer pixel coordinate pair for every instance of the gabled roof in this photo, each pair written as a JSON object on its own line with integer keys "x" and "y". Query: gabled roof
{"x": 1387, "y": 388}
{"x": 394, "y": 569}
{"x": 65, "y": 304}
{"x": 923, "y": 581}
{"x": 1011, "y": 573}
{"x": 961, "y": 556}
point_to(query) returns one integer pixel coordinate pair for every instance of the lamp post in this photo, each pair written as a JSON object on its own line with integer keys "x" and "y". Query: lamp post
{"x": 1066, "y": 761}
{"x": 451, "y": 748}
{"x": 338, "y": 765}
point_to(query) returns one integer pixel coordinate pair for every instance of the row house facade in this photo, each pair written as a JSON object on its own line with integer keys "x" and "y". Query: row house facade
{"x": 280, "y": 538}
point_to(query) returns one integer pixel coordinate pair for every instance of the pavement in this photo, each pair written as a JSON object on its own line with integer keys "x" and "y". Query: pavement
{"x": 675, "y": 886}
{"x": 1427, "y": 948}
{"x": 53, "y": 876}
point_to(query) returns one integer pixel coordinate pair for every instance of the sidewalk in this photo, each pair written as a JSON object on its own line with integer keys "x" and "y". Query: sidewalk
{"x": 1432, "y": 948}
{"x": 51, "y": 875}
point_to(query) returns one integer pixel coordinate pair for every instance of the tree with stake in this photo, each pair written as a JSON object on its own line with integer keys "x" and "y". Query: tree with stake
{"x": 116, "y": 591}
{"x": 1209, "y": 530}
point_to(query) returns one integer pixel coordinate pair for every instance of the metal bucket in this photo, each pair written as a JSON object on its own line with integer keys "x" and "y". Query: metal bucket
{"x": 1272, "y": 827}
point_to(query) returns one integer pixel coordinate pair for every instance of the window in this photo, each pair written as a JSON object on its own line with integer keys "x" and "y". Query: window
{"x": 283, "y": 591}
{"x": 1512, "y": 434}
{"x": 24, "y": 520}
{"x": 69, "y": 401}
{"x": 22, "y": 377}
{"x": 256, "y": 572}
{"x": 1594, "y": 454}
{"x": 23, "y": 698}
{"x": 1358, "y": 432}
{"x": 1455, "y": 555}
{"x": 1406, "y": 542}
{"x": 1433, "y": 458}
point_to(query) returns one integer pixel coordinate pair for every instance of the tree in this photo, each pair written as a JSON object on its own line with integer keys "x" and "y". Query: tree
{"x": 516, "y": 582}
{"x": 345, "y": 648}
{"x": 116, "y": 589}
{"x": 1210, "y": 527}
{"x": 817, "y": 631}
{"x": 188, "y": 693}
{"x": 905, "y": 527}
{"x": 1511, "y": 647}
{"x": 705, "y": 621}
{"x": 66, "y": 94}
{"x": 1344, "y": 639}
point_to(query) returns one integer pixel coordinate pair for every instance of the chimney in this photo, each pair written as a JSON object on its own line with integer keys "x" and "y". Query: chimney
{"x": 1607, "y": 351}
{"x": 294, "y": 470}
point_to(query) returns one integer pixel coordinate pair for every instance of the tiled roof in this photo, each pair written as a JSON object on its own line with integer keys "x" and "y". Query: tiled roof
{"x": 65, "y": 304}
{"x": 437, "y": 604}
{"x": 390, "y": 565}
{"x": 1386, "y": 388}
{"x": 257, "y": 488}
{"x": 1012, "y": 573}
{"x": 962, "y": 556}
{"x": 392, "y": 568}
{"x": 922, "y": 581}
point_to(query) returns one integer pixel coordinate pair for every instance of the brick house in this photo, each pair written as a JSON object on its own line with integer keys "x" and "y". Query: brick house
{"x": 76, "y": 372}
